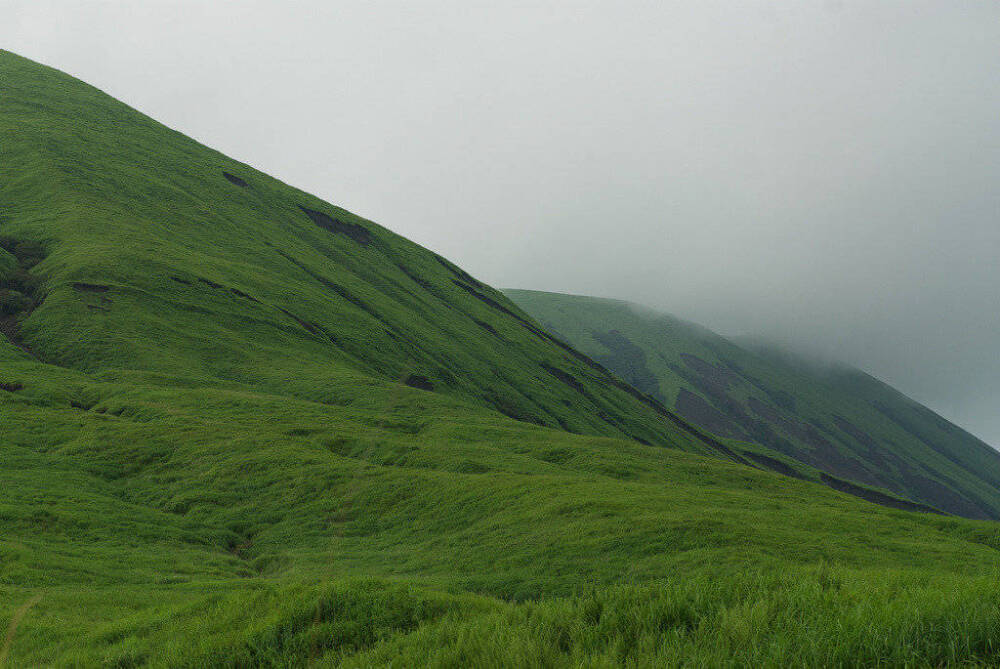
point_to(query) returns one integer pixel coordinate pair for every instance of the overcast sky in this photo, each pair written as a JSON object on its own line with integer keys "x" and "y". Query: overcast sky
{"x": 823, "y": 173}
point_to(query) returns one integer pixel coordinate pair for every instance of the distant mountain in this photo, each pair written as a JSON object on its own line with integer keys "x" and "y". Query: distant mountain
{"x": 841, "y": 421}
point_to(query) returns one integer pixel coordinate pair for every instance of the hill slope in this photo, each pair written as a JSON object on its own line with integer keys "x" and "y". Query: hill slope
{"x": 840, "y": 421}
{"x": 218, "y": 448}
{"x": 140, "y": 249}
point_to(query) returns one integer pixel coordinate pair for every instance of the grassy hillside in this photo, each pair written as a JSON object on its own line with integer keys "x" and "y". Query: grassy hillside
{"x": 236, "y": 432}
{"x": 840, "y": 421}
{"x": 147, "y": 251}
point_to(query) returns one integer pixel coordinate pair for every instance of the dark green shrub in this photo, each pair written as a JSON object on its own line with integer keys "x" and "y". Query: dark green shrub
{"x": 13, "y": 302}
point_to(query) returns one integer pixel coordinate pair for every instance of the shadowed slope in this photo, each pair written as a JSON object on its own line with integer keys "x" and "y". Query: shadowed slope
{"x": 841, "y": 421}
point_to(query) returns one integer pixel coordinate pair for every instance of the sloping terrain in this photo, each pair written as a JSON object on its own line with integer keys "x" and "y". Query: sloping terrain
{"x": 147, "y": 523}
{"x": 840, "y": 421}
{"x": 147, "y": 251}
{"x": 242, "y": 427}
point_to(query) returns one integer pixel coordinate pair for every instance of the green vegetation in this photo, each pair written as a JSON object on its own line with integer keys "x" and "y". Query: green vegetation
{"x": 218, "y": 449}
{"x": 839, "y": 420}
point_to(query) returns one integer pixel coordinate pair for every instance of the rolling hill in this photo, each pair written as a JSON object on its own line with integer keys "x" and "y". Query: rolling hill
{"x": 839, "y": 420}
{"x": 242, "y": 427}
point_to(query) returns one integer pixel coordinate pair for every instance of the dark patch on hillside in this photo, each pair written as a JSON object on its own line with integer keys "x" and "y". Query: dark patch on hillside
{"x": 419, "y": 382}
{"x": 875, "y": 496}
{"x": 854, "y": 431}
{"x": 701, "y": 413}
{"x": 486, "y": 326}
{"x": 780, "y": 397}
{"x": 11, "y": 386}
{"x": 90, "y": 287}
{"x": 354, "y": 231}
{"x": 953, "y": 499}
{"x": 20, "y": 291}
{"x": 716, "y": 393}
{"x": 353, "y": 299}
{"x": 180, "y": 280}
{"x": 415, "y": 278}
{"x": 305, "y": 324}
{"x": 457, "y": 271}
{"x": 627, "y": 360}
{"x": 658, "y": 407}
{"x": 240, "y": 293}
{"x": 565, "y": 377}
{"x": 714, "y": 381}
{"x": 774, "y": 464}
{"x": 336, "y": 288}
{"x": 27, "y": 251}
{"x": 716, "y": 375}
{"x": 568, "y": 379}
{"x": 909, "y": 420}
{"x": 209, "y": 282}
{"x": 538, "y": 332}
{"x": 823, "y": 454}
{"x": 233, "y": 179}
{"x": 508, "y": 408}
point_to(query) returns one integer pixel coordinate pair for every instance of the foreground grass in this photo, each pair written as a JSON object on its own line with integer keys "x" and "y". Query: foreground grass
{"x": 171, "y": 526}
{"x": 764, "y": 616}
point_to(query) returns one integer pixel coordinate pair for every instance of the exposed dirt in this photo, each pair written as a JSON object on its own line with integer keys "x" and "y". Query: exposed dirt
{"x": 356, "y": 232}
{"x": 419, "y": 382}
{"x": 235, "y": 179}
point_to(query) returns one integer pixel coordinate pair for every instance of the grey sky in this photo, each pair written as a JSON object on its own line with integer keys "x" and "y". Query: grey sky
{"x": 825, "y": 173}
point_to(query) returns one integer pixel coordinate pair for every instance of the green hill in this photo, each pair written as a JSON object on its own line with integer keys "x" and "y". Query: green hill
{"x": 242, "y": 427}
{"x": 838, "y": 420}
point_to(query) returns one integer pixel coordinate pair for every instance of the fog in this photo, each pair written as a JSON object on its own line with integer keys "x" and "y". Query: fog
{"x": 820, "y": 173}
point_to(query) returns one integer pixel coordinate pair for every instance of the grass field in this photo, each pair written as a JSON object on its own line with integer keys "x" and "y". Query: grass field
{"x": 235, "y": 433}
